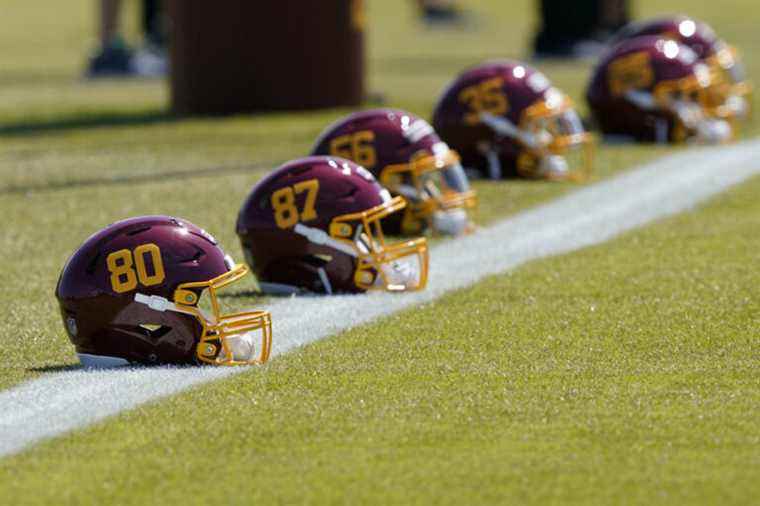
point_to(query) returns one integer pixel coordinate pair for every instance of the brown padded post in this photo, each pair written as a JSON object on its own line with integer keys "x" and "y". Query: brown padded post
{"x": 232, "y": 56}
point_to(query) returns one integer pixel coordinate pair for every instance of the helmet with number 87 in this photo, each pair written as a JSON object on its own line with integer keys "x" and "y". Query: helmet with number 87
{"x": 656, "y": 89}
{"x": 406, "y": 156}
{"x": 145, "y": 290}
{"x": 314, "y": 225}
{"x": 506, "y": 119}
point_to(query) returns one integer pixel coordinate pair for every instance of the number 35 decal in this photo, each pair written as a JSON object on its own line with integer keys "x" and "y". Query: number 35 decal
{"x": 128, "y": 267}
{"x": 286, "y": 213}
{"x": 486, "y": 96}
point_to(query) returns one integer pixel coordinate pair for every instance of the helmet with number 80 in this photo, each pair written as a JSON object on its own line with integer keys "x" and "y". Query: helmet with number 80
{"x": 145, "y": 290}
{"x": 656, "y": 89}
{"x": 406, "y": 156}
{"x": 731, "y": 91}
{"x": 506, "y": 119}
{"x": 314, "y": 225}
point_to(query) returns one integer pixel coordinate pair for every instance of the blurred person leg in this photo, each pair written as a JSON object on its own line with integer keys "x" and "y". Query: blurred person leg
{"x": 579, "y": 28}
{"x": 440, "y": 12}
{"x": 113, "y": 57}
{"x": 151, "y": 59}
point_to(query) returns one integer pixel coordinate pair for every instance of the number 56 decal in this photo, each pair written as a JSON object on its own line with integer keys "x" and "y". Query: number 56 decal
{"x": 286, "y": 213}
{"x": 128, "y": 267}
{"x": 357, "y": 147}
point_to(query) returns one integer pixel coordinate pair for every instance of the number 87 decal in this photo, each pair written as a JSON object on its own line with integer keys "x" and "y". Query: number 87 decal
{"x": 127, "y": 268}
{"x": 286, "y": 213}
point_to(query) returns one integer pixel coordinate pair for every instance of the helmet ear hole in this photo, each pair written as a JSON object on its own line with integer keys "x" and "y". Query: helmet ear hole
{"x": 209, "y": 349}
{"x": 341, "y": 230}
{"x": 186, "y": 297}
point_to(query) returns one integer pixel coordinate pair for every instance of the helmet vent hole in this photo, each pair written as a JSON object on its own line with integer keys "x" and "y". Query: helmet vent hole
{"x": 154, "y": 331}
{"x": 138, "y": 231}
{"x": 317, "y": 260}
{"x": 92, "y": 265}
{"x": 194, "y": 259}
{"x": 350, "y": 193}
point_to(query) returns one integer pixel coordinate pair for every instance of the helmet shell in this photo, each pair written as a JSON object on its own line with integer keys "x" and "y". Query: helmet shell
{"x": 455, "y": 117}
{"x": 397, "y": 137}
{"x": 698, "y": 36}
{"x": 279, "y": 255}
{"x": 96, "y": 296}
{"x": 643, "y": 63}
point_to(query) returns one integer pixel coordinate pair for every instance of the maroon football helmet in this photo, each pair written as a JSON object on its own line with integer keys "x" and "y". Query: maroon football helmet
{"x": 314, "y": 225}
{"x": 732, "y": 90}
{"x": 144, "y": 290}
{"x": 406, "y": 156}
{"x": 655, "y": 89}
{"x": 506, "y": 119}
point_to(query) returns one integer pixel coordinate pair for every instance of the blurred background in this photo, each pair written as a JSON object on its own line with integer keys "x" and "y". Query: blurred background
{"x": 54, "y": 116}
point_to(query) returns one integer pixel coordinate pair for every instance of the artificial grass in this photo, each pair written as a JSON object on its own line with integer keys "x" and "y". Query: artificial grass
{"x": 77, "y": 155}
{"x": 624, "y": 373}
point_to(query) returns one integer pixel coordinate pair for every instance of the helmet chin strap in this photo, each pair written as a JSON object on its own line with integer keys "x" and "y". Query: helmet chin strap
{"x": 158, "y": 303}
{"x": 494, "y": 163}
{"x": 641, "y": 99}
{"x": 505, "y": 128}
{"x": 319, "y": 236}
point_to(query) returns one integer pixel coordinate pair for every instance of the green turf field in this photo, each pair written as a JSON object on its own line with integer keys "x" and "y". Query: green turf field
{"x": 624, "y": 373}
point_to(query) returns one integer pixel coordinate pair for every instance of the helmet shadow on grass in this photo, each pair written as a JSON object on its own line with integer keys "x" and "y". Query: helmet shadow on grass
{"x": 57, "y": 368}
{"x": 130, "y": 180}
{"x": 92, "y": 120}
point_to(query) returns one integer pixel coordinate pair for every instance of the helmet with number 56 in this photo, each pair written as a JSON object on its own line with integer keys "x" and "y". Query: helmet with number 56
{"x": 406, "y": 156}
{"x": 314, "y": 225}
{"x": 506, "y": 119}
{"x": 145, "y": 290}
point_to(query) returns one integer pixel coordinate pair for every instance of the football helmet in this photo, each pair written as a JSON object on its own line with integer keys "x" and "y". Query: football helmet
{"x": 314, "y": 225}
{"x": 406, "y": 156}
{"x": 731, "y": 92}
{"x": 146, "y": 290}
{"x": 506, "y": 119}
{"x": 655, "y": 89}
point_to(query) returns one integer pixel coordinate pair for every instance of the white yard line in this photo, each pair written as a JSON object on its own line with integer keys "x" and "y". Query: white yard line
{"x": 61, "y": 402}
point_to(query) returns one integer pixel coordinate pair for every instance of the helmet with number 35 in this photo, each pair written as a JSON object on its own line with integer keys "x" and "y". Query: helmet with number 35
{"x": 145, "y": 290}
{"x": 656, "y": 89}
{"x": 314, "y": 225}
{"x": 506, "y": 119}
{"x": 406, "y": 156}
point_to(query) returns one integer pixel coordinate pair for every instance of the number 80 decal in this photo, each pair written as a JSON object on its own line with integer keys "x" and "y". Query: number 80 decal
{"x": 127, "y": 268}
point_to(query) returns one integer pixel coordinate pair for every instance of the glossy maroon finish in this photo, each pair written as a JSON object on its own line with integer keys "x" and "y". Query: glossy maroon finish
{"x": 282, "y": 256}
{"x": 702, "y": 40}
{"x": 100, "y": 321}
{"x": 523, "y": 86}
{"x": 615, "y": 115}
{"x": 392, "y": 142}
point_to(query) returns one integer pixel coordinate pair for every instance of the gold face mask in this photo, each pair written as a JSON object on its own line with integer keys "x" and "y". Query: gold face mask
{"x": 228, "y": 338}
{"x": 696, "y": 103}
{"x": 731, "y": 94}
{"x": 437, "y": 193}
{"x": 559, "y": 148}
{"x": 395, "y": 267}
